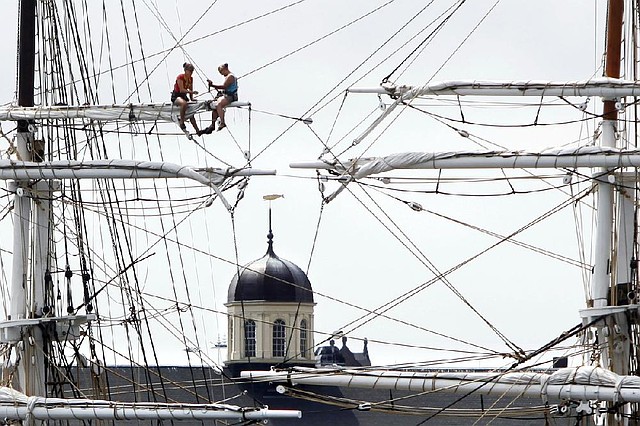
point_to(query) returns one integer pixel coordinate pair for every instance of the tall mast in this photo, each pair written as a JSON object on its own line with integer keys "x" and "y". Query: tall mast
{"x": 26, "y": 55}
{"x": 612, "y": 332}
{"x": 24, "y": 297}
{"x": 605, "y": 188}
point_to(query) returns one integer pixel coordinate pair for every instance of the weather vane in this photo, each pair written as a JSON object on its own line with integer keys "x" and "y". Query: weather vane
{"x": 270, "y": 198}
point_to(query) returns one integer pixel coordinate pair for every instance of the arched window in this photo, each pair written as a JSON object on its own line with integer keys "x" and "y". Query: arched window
{"x": 278, "y": 338}
{"x": 249, "y": 338}
{"x": 303, "y": 338}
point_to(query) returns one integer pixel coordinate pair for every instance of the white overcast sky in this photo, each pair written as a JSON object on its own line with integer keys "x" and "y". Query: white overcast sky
{"x": 529, "y": 297}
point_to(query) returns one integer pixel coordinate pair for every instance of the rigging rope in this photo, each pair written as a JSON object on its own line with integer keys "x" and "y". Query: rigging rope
{"x": 517, "y": 351}
{"x": 426, "y": 39}
{"x": 319, "y": 39}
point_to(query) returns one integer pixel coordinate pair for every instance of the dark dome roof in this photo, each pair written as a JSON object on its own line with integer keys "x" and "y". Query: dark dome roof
{"x": 271, "y": 279}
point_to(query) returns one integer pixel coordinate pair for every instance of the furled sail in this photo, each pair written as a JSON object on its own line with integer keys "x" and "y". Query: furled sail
{"x": 603, "y": 87}
{"x": 581, "y": 383}
{"x": 586, "y": 156}
{"x": 118, "y": 169}
{"x": 128, "y": 112}
{"x": 121, "y": 169}
{"x": 114, "y": 169}
{"x": 608, "y": 88}
{"x": 17, "y": 406}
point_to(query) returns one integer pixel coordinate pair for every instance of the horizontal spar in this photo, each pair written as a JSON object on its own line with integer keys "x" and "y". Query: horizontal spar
{"x": 129, "y": 112}
{"x": 608, "y": 88}
{"x": 96, "y": 169}
{"x": 117, "y": 169}
{"x": 15, "y": 405}
{"x": 573, "y": 158}
{"x": 120, "y": 169}
{"x": 582, "y": 383}
{"x": 603, "y": 87}
{"x": 116, "y": 412}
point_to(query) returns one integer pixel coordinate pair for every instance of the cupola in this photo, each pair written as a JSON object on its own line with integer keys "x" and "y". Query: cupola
{"x": 270, "y": 314}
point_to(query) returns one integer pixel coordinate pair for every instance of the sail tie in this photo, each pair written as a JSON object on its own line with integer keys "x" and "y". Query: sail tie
{"x": 31, "y": 404}
{"x": 616, "y": 390}
{"x": 544, "y": 384}
{"x": 133, "y": 121}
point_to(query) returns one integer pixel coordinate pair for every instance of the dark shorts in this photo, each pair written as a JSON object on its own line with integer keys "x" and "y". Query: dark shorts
{"x": 176, "y": 95}
{"x": 231, "y": 97}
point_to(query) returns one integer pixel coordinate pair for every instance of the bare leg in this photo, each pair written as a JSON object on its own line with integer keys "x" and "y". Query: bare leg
{"x": 183, "y": 109}
{"x": 195, "y": 125}
{"x": 220, "y": 110}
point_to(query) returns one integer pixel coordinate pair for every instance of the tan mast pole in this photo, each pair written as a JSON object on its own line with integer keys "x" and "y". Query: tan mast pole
{"x": 602, "y": 278}
{"x": 612, "y": 59}
{"x": 617, "y": 361}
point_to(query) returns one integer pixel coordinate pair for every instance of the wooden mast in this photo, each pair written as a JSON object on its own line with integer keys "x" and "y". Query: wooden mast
{"x": 602, "y": 266}
{"x": 614, "y": 346}
{"x": 614, "y": 47}
{"x": 27, "y": 287}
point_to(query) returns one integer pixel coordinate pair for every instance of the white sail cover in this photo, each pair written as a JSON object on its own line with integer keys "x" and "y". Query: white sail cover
{"x": 15, "y": 405}
{"x": 581, "y": 383}
{"x": 570, "y": 158}
{"x": 109, "y": 169}
{"x": 70, "y": 169}
{"x": 608, "y": 88}
{"x": 602, "y": 86}
{"x": 128, "y": 112}
{"x": 588, "y": 156}
{"x": 122, "y": 169}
